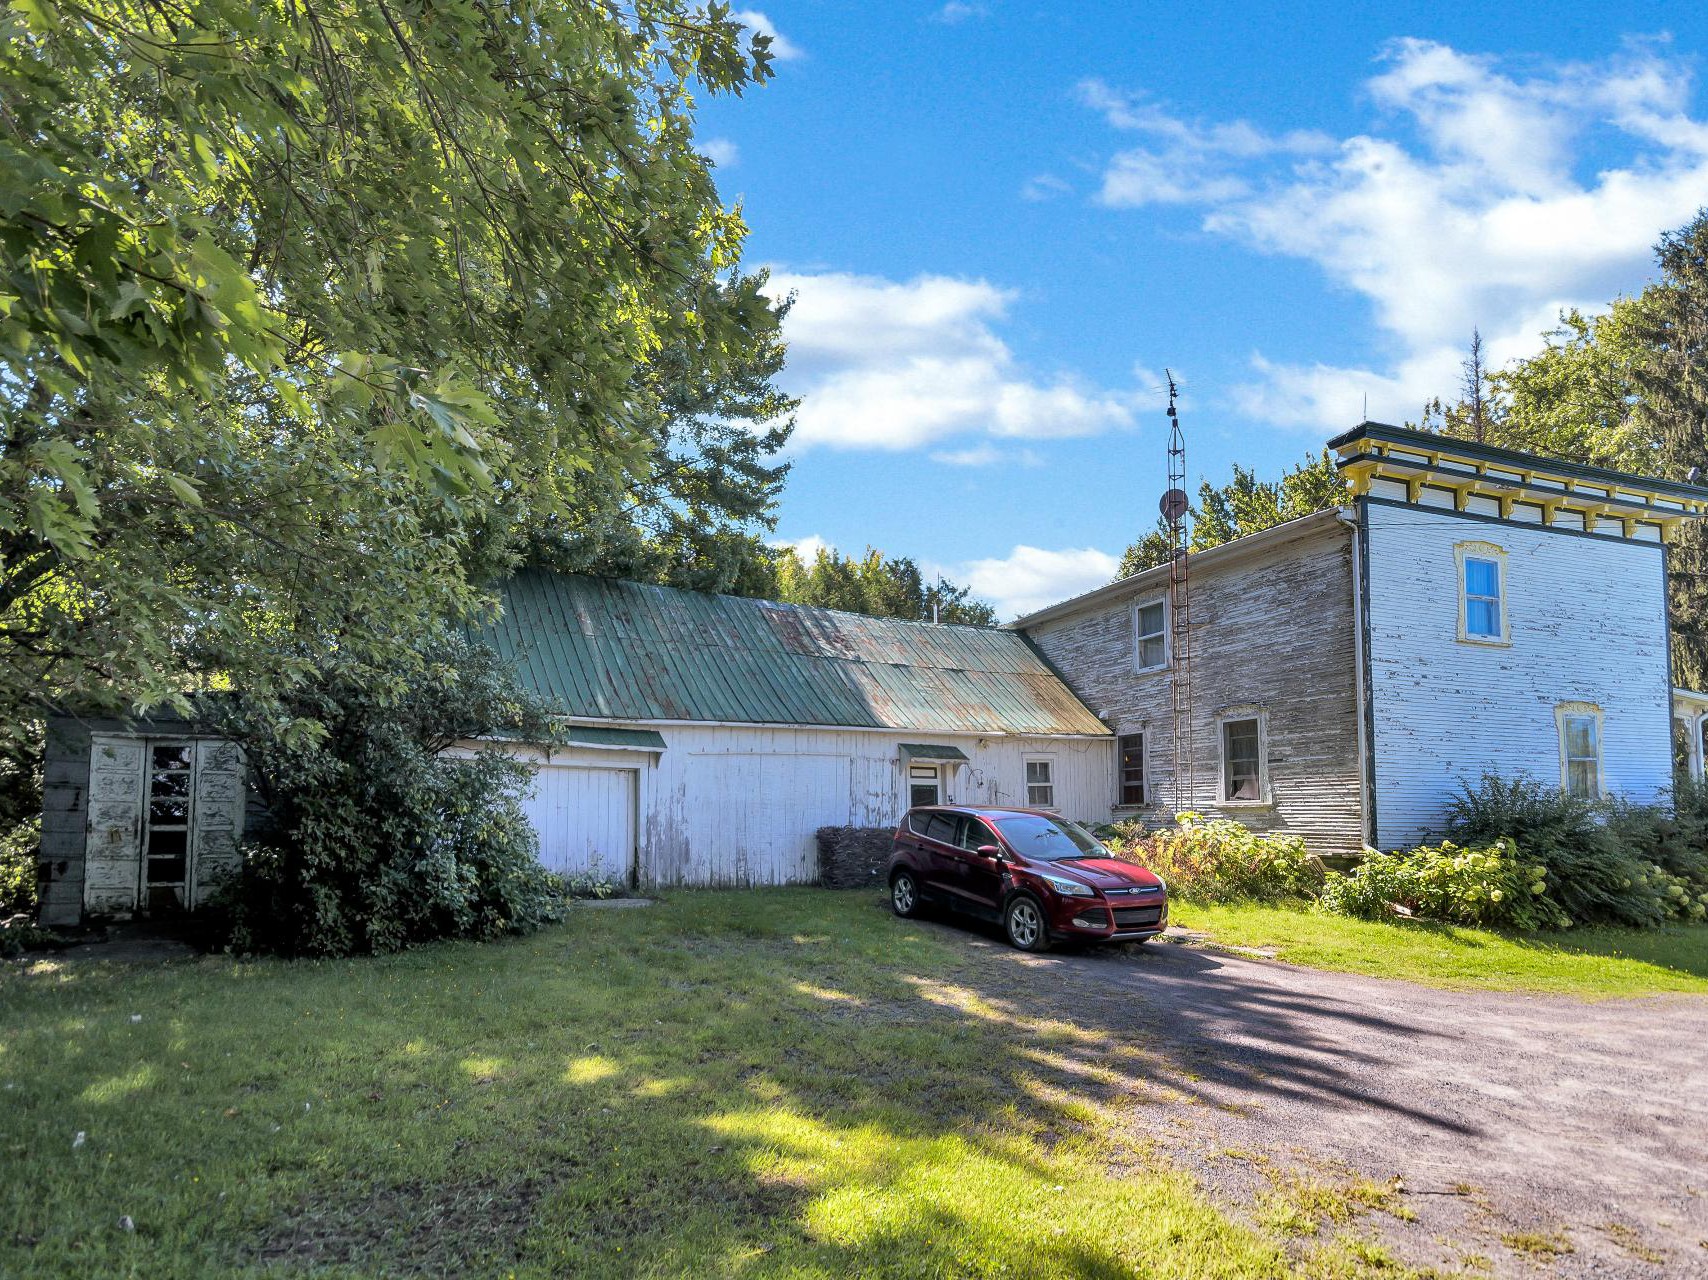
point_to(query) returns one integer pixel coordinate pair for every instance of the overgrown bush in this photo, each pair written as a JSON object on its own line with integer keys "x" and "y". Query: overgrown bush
{"x": 1215, "y": 860}
{"x": 1492, "y": 886}
{"x": 376, "y": 841}
{"x": 20, "y": 818}
{"x": 1611, "y": 862}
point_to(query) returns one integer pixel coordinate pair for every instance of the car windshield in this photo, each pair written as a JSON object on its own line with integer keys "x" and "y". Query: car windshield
{"x": 1048, "y": 839}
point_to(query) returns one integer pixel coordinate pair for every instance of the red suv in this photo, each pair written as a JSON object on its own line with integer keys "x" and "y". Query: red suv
{"x": 1044, "y": 878}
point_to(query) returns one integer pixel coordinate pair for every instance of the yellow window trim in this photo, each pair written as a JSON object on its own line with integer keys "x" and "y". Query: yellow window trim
{"x": 1478, "y": 550}
{"x": 1561, "y": 711}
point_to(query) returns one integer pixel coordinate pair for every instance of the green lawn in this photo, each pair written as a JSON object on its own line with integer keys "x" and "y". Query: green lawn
{"x": 1581, "y": 962}
{"x": 785, "y": 1082}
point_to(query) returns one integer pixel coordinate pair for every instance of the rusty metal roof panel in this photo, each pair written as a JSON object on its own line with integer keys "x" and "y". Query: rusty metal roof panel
{"x": 605, "y": 649}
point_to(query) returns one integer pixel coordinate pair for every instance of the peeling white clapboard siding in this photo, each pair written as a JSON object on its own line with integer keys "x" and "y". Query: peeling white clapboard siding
{"x": 742, "y": 805}
{"x": 1588, "y": 623}
{"x": 1274, "y": 630}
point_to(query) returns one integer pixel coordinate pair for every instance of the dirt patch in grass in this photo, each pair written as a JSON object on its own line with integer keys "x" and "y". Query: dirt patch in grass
{"x": 409, "y": 1230}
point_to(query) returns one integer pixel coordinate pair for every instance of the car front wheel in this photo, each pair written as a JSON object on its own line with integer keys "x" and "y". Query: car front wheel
{"x": 904, "y": 894}
{"x": 1024, "y": 922}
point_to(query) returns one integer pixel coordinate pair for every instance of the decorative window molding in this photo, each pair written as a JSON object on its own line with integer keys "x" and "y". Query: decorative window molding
{"x": 1151, "y": 646}
{"x": 1132, "y": 771}
{"x": 1040, "y": 782}
{"x": 1242, "y": 749}
{"x": 1481, "y": 575}
{"x": 1579, "y": 727}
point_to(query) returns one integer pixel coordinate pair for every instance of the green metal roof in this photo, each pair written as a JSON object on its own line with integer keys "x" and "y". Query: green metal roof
{"x": 609, "y": 650}
{"x": 581, "y": 735}
{"x": 931, "y": 751}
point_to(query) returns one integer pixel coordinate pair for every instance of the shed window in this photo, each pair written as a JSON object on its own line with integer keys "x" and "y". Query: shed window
{"x": 1040, "y": 784}
{"x": 1132, "y": 766}
{"x": 923, "y": 784}
{"x": 1150, "y": 636}
{"x": 1580, "y": 750}
{"x": 1242, "y": 759}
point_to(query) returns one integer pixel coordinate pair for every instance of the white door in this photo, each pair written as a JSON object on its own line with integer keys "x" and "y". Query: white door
{"x": 585, "y": 819}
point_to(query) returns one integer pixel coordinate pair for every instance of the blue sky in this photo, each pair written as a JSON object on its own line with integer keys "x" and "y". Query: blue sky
{"x": 1002, "y": 220}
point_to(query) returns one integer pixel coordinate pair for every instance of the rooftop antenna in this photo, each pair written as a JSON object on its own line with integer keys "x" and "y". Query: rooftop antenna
{"x": 1174, "y": 507}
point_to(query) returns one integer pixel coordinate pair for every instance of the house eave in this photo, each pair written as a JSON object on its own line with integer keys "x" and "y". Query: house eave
{"x": 1158, "y": 575}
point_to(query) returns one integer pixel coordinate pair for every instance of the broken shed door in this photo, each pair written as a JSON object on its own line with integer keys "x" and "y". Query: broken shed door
{"x": 218, "y": 817}
{"x": 113, "y": 851}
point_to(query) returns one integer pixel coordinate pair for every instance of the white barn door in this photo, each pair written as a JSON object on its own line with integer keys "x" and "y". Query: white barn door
{"x": 585, "y": 818}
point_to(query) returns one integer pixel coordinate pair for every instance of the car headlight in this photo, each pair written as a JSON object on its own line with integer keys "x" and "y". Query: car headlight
{"x": 1067, "y": 888}
{"x": 1162, "y": 884}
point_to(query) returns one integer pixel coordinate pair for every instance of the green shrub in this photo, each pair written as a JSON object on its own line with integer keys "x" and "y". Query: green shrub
{"x": 20, "y": 818}
{"x": 1215, "y": 860}
{"x": 376, "y": 840}
{"x": 1610, "y": 863}
{"x": 1491, "y": 886}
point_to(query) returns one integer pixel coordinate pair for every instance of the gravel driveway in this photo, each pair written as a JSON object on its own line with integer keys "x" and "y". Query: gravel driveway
{"x": 1521, "y": 1126}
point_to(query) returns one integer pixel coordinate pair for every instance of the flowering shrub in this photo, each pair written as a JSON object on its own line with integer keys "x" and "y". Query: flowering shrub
{"x": 1487, "y": 886}
{"x": 1214, "y": 860}
{"x": 1608, "y": 862}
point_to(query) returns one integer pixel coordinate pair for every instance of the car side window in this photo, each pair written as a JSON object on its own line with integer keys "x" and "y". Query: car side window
{"x": 917, "y": 822}
{"x": 943, "y": 827}
{"x": 974, "y": 834}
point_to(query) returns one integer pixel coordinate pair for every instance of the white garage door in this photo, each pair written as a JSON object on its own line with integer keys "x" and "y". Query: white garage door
{"x": 585, "y": 818}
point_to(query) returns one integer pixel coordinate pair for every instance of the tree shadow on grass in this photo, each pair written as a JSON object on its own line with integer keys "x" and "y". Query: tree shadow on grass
{"x": 729, "y": 1084}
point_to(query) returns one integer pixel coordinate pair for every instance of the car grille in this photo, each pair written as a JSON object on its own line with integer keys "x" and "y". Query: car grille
{"x": 1126, "y": 917}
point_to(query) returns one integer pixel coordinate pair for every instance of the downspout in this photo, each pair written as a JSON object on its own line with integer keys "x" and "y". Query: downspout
{"x": 1362, "y": 694}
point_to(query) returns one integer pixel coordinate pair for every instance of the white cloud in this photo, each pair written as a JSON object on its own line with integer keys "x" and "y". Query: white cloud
{"x": 1046, "y": 186}
{"x": 720, "y": 151}
{"x": 806, "y": 548}
{"x": 783, "y": 49}
{"x": 881, "y": 364}
{"x": 958, "y": 11}
{"x": 1029, "y": 578}
{"x": 1182, "y": 161}
{"x": 987, "y": 455}
{"x": 1468, "y": 203}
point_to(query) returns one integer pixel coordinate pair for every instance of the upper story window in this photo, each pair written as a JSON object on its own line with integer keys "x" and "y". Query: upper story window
{"x": 1040, "y": 783}
{"x": 1580, "y": 749}
{"x": 1482, "y": 593}
{"x": 1150, "y": 636}
{"x": 1244, "y": 776}
{"x": 1131, "y": 764}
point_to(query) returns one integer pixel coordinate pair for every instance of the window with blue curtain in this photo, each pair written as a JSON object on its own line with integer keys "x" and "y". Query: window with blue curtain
{"x": 1482, "y": 598}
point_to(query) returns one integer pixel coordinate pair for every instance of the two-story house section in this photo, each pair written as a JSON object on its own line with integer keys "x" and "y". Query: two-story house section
{"x": 1469, "y": 610}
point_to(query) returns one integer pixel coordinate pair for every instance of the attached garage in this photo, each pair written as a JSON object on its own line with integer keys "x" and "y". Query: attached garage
{"x": 587, "y": 819}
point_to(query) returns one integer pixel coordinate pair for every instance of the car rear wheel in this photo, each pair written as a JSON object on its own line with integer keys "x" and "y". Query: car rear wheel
{"x": 904, "y": 894}
{"x": 1024, "y": 922}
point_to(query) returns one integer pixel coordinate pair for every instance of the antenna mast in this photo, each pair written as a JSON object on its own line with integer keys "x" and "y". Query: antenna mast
{"x": 1175, "y": 505}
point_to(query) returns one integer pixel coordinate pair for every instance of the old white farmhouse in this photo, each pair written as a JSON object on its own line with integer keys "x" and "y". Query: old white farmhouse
{"x": 1468, "y": 609}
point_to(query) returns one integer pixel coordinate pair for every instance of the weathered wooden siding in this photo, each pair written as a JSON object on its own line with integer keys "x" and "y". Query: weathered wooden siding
{"x": 1274, "y": 630}
{"x": 66, "y": 818}
{"x": 741, "y": 805}
{"x": 1588, "y": 623}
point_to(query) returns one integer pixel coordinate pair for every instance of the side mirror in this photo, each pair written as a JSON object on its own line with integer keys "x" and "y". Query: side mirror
{"x": 990, "y": 851}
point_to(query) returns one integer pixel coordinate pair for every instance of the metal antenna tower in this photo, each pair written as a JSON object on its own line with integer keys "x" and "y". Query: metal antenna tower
{"x": 1175, "y": 505}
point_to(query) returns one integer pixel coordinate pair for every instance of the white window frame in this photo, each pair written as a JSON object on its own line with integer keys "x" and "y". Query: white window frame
{"x": 935, "y": 781}
{"x": 1230, "y": 716}
{"x": 1049, "y": 763}
{"x": 1495, "y": 553}
{"x": 1167, "y": 639}
{"x": 1572, "y": 710}
{"x": 1142, "y": 733}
